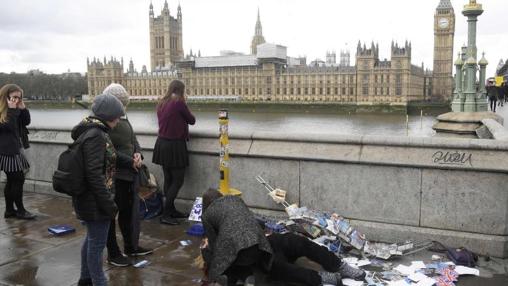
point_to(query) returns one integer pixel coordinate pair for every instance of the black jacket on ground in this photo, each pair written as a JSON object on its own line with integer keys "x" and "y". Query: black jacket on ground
{"x": 96, "y": 203}
{"x": 14, "y": 132}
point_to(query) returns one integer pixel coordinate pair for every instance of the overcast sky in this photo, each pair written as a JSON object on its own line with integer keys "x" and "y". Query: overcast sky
{"x": 57, "y": 35}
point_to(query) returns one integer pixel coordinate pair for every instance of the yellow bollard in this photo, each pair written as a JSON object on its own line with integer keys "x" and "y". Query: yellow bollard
{"x": 224, "y": 156}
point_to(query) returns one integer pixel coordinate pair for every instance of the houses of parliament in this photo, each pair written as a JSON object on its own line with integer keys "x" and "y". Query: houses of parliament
{"x": 269, "y": 74}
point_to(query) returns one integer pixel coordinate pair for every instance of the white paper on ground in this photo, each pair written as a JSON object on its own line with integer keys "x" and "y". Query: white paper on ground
{"x": 405, "y": 270}
{"x": 417, "y": 264}
{"x": 463, "y": 270}
{"x": 350, "y": 260}
{"x": 363, "y": 262}
{"x": 426, "y": 282}
{"x": 398, "y": 283}
{"x": 351, "y": 282}
{"x": 417, "y": 277}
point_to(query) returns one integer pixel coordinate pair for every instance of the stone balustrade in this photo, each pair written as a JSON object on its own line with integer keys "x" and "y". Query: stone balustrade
{"x": 393, "y": 188}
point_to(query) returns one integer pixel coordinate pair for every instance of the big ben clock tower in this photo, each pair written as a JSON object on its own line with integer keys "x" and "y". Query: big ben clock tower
{"x": 444, "y": 30}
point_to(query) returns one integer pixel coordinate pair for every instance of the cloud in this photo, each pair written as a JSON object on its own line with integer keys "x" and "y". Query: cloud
{"x": 54, "y": 35}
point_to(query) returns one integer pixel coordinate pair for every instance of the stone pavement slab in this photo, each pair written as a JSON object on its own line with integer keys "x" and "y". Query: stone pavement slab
{"x": 30, "y": 256}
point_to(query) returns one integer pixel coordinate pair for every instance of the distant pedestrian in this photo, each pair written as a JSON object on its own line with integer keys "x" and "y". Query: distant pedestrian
{"x": 95, "y": 207}
{"x": 170, "y": 149}
{"x": 126, "y": 181}
{"x": 504, "y": 90}
{"x": 492, "y": 95}
{"x": 500, "y": 95}
{"x": 14, "y": 117}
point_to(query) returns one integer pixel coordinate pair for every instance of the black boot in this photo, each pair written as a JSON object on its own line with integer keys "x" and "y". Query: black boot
{"x": 85, "y": 282}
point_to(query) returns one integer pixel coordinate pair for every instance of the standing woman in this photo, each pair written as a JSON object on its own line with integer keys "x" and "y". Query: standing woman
{"x": 14, "y": 117}
{"x": 170, "y": 149}
{"x": 126, "y": 198}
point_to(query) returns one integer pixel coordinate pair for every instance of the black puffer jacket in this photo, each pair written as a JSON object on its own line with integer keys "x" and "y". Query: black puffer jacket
{"x": 99, "y": 157}
{"x": 14, "y": 132}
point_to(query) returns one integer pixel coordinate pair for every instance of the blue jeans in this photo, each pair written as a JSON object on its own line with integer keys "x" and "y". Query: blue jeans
{"x": 91, "y": 252}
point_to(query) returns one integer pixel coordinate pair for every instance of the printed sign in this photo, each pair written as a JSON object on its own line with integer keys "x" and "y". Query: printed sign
{"x": 197, "y": 209}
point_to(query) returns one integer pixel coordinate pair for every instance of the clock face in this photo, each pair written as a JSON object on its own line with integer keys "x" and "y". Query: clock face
{"x": 443, "y": 23}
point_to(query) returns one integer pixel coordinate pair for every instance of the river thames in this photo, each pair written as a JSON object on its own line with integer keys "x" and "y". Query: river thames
{"x": 391, "y": 124}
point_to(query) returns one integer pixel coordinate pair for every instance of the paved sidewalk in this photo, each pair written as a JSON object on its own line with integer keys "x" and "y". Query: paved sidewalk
{"x": 31, "y": 256}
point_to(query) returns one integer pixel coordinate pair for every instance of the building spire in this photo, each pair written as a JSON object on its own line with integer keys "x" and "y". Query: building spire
{"x": 259, "y": 29}
{"x": 445, "y": 5}
{"x": 258, "y": 36}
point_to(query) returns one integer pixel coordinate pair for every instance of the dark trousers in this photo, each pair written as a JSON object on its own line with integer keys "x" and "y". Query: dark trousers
{"x": 13, "y": 191}
{"x": 124, "y": 199}
{"x": 289, "y": 247}
{"x": 493, "y": 104}
{"x": 91, "y": 251}
{"x": 173, "y": 181}
{"x": 246, "y": 260}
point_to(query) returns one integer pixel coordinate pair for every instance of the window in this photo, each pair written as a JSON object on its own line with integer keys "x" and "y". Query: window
{"x": 398, "y": 84}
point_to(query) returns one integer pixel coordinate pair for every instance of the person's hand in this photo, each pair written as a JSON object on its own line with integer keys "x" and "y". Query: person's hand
{"x": 12, "y": 102}
{"x": 21, "y": 104}
{"x": 204, "y": 243}
{"x": 137, "y": 157}
{"x": 138, "y": 160}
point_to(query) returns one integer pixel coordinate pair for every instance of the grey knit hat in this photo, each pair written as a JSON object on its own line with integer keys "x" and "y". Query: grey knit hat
{"x": 118, "y": 91}
{"x": 107, "y": 107}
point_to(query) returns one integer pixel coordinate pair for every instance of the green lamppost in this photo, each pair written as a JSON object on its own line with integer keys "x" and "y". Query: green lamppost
{"x": 473, "y": 102}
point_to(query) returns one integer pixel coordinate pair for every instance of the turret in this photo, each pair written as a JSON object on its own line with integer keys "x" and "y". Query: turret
{"x": 150, "y": 10}
{"x": 179, "y": 14}
{"x": 131, "y": 66}
{"x": 165, "y": 10}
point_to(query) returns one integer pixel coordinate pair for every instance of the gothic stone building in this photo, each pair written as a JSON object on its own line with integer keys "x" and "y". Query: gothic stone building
{"x": 268, "y": 74}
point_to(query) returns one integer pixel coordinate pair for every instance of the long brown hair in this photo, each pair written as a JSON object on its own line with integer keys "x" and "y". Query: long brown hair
{"x": 4, "y": 95}
{"x": 209, "y": 196}
{"x": 176, "y": 91}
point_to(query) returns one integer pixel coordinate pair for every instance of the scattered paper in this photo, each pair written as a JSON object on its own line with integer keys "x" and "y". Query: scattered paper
{"x": 416, "y": 277}
{"x": 405, "y": 270}
{"x": 142, "y": 263}
{"x": 463, "y": 270}
{"x": 363, "y": 262}
{"x": 426, "y": 282}
{"x": 350, "y": 260}
{"x": 197, "y": 209}
{"x": 185, "y": 242}
{"x": 351, "y": 282}
{"x": 417, "y": 264}
{"x": 398, "y": 283}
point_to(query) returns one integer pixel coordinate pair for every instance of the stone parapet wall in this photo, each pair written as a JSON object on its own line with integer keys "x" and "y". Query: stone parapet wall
{"x": 393, "y": 188}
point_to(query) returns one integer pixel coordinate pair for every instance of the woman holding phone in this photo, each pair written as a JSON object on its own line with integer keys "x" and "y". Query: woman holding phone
{"x": 14, "y": 117}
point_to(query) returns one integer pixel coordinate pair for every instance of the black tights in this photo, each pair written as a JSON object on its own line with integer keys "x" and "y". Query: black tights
{"x": 124, "y": 199}
{"x": 173, "y": 181}
{"x": 13, "y": 191}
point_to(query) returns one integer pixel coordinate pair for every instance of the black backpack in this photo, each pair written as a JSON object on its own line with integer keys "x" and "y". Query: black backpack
{"x": 69, "y": 177}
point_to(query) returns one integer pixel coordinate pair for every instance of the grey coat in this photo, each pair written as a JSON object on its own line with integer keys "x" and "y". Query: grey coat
{"x": 230, "y": 227}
